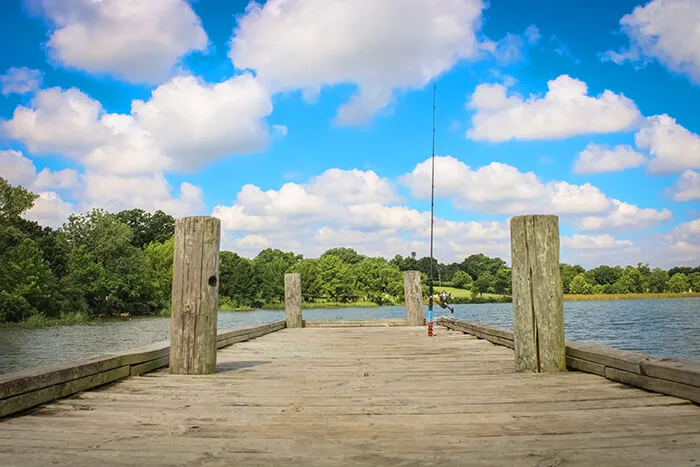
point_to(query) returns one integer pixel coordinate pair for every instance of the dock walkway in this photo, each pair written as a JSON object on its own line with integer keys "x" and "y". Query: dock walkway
{"x": 359, "y": 396}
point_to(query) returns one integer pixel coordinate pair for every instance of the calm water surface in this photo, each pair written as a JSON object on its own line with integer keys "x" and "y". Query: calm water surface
{"x": 663, "y": 328}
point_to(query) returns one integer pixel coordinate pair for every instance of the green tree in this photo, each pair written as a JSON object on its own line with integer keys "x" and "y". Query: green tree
{"x": 630, "y": 281}
{"x": 483, "y": 284}
{"x": 237, "y": 279}
{"x": 579, "y": 285}
{"x": 377, "y": 280}
{"x": 694, "y": 279}
{"x": 308, "y": 271}
{"x": 346, "y": 255}
{"x": 110, "y": 270}
{"x": 605, "y": 275}
{"x": 270, "y": 266}
{"x": 462, "y": 280}
{"x": 658, "y": 281}
{"x": 335, "y": 279}
{"x": 502, "y": 282}
{"x": 679, "y": 282}
{"x": 568, "y": 272}
{"x": 147, "y": 227}
{"x": 158, "y": 264}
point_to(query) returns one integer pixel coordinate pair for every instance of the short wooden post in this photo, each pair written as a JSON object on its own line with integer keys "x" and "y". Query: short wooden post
{"x": 414, "y": 298}
{"x": 195, "y": 299}
{"x": 538, "y": 307}
{"x": 292, "y": 300}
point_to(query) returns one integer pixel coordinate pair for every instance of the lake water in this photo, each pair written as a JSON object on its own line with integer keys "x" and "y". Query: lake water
{"x": 662, "y": 328}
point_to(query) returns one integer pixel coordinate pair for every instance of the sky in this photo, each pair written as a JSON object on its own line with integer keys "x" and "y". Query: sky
{"x": 307, "y": 124}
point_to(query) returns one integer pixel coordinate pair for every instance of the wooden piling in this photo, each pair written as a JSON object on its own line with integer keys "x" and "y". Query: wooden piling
{"x": 414, "y": 298}
{"x": 292, "y": 300}
{"x": 538, "y": 307}
{"x": 195, "y": 296}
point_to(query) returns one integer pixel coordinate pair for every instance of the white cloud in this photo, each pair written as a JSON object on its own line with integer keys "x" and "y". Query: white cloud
{"x": 148, "y": 192}
{"x": 566, "y": 110}
{"x": 688, "y": 186}
{"x": 501, "y": 188}
{"x": 625, "y": 216}
{"x": 49, "y": 209}
{"x": 380, "y": 46}
{"x": 185, "y": 124}
{"x": 597, "y": 159}
{"x": 663, "y": 30}
{"x": 672, "y": 147}
{"x": 20, "y": 81}
{"x": 345, "y": 207}
{"x": 19, "y": 170}
{"x": 134, "y": 40}
{"x": 596, "y": 242}
{"x": 593, "y": 250}
{"x": 511, "y": 48}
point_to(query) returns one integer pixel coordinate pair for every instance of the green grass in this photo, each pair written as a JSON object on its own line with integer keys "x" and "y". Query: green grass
{"x": 41, "y": 321}
{"x": 461, "y": 293}
{"x": 629, "y": 296}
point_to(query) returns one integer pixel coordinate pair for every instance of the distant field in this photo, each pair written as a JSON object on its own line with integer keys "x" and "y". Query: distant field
{"x": 460, "y": 293}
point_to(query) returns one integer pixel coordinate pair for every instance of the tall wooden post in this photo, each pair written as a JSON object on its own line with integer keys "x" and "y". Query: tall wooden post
{"x": 414, "y": 298}
{"x": 538, "y": 307}
{"x": 195, "y": 300}
{"x": 292, "y": 300}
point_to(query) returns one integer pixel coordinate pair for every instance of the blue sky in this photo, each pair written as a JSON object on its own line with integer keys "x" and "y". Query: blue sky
{"x": 306, "y": 124}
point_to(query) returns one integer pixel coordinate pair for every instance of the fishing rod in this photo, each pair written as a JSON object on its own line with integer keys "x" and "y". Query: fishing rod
{"x": 432, "y": 211}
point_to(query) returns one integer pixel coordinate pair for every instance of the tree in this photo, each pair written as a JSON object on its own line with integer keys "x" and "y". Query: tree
{"x": 334, "y": 277}
{"x": 483, "y": 284}
{"x": 579, "y": 285}
{"x": 14, "y": 200}
{"x": 568, "y": 273}
{"x": 308, "y": 272}
{"x": 158, "y": 263}
{"x": 605, "y": 275}
{"x": 694, "y": 279}
{"x": 658, "y": 281}
{"x": 478, "y": 264}
{"x": 377, "y": 280}
{"x": 462, "y": 280}
{"x": 270, "y": 266}
{"x": 147, "y": 227}
{"x": 502, "y": 282}
{"x": 346, "y": 255}
{"x": 630, "y": 281}
{"x": 678, "y": 283}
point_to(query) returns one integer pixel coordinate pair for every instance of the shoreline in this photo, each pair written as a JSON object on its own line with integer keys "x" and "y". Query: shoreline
{"x": 78, "y": 319}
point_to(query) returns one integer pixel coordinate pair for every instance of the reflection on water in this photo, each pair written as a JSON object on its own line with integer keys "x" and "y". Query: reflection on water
{"x": 664, "y": 328}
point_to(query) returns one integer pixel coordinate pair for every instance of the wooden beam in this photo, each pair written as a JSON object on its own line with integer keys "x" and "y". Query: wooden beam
{"x": 413, "y": 298}
{"x": 195, "y": 294}
{"x": 538, "y": 306}
{"x": 292, "y": 300}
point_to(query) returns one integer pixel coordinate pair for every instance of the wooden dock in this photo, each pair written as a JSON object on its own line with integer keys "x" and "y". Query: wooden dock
{"x": 359, "y": 396}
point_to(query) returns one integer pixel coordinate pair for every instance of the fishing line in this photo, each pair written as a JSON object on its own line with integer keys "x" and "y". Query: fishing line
{"x": 432, "y": 211}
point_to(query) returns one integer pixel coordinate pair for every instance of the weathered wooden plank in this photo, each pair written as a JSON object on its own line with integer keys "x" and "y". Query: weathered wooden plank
{"x": 654, "y": 384}
{"x": 292, "y": 300}
{"x": 195, "y": 295}
{"x": 538, "y": 306}
{"x": 585, "y": 365}
{"x": 338, "y": 323}
{"x": 226, "y": 338}
{"x": 413, "y": 298}
{"x": 149, "y": 366}
{"x": 672, "y": 369}
{"x": 614, "y": 358}
{"x": 28, "y": 400}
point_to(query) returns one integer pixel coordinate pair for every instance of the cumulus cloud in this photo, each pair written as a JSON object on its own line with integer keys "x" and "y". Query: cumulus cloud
{"x": 501, "y": 188}
{"x": 598, "y": 159}
{"x": 672, "y": 147}
{"x": 185, "y": 124}
{"x": 624, "y": 217}
{"x": 512, "y": 47}
{"x": 565, "y": 110}
{"x": 65, "y": 191}
{"x": 49, "y": 209}
{"x": 133, "y": 40}
{"x": 666, "y": 31}
{"x": 401, "y": 45}
{"x": 346, "y": 207}
{"x": 688, "y": 186}
{"x": 20, "y": 170}
{"x": 20, "y": 81}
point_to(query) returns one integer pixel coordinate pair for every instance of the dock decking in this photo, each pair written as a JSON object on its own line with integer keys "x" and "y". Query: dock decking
{"x": 359, "y": 396}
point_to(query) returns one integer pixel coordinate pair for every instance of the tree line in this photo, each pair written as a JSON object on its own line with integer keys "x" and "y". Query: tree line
{"x": 107, "y": 264}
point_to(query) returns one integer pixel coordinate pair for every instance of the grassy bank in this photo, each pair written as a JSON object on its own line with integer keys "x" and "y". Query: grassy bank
{"x": 629, "y": 296}
{"x": 42, "y": 321}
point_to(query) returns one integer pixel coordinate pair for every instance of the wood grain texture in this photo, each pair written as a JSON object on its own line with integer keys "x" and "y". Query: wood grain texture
{"x": 292, "y": 300}
{"x": 359, "y": 396}
{"x": 342, "y": 323}
{"x": 538, "y": 301}
{"x": 195, "y": 295}
{"x": 413, "y": 298}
